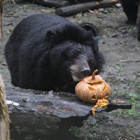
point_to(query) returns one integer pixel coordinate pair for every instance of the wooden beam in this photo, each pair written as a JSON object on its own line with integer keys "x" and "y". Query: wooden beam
{"x": 84, "y": 7}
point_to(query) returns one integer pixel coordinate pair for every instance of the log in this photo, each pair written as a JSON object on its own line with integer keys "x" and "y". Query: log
{"x": 84, "y": 7}
{"x": 51, "y": 3}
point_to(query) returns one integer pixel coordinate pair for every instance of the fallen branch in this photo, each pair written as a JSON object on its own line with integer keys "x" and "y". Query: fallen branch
{"x": 74, "y": 9}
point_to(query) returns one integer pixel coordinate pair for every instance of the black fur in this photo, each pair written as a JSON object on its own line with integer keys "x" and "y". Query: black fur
{"x": 130, "y": 8}
{"x": 44, "y": 50}
{"x": 139, "y": 30}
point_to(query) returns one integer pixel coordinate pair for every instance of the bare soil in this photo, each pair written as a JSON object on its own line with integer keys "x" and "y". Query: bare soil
{"x": 118, "y": 42}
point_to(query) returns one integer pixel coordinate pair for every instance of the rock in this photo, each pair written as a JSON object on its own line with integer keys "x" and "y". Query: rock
{"x": 44, "y": 114}
{"x": 118, "y": 5}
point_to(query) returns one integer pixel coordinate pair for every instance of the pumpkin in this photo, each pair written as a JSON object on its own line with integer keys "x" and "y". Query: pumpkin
{"x": 93, "y": 89}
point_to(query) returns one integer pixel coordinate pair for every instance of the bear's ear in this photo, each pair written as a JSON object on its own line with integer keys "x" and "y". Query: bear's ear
{"x": 50, "y": 36}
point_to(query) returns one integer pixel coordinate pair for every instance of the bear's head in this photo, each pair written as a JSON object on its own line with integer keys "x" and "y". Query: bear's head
{"x": 73, "y": 55}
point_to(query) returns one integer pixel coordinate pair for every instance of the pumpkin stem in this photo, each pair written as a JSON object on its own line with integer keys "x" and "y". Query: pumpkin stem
{"x": 94, "y": 73}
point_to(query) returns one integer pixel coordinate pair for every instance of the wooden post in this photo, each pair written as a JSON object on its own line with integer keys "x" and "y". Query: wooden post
{"x": 4, "y": 116}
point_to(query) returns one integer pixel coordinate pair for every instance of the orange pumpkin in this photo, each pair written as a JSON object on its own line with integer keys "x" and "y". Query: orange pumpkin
{"x": 93, "y": 89}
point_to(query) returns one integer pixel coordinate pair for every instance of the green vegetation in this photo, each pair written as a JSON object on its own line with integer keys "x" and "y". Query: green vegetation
{"x": 22, "y": 8}
{"x": 9, "y": 31}
{"x": 135, "y": 100}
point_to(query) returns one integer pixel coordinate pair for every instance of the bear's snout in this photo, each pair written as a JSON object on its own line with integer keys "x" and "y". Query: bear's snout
{"x": 80, "y": 70}
{"x": 85, "y": 71}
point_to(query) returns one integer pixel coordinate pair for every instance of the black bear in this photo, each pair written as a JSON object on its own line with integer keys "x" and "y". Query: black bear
{"x": 130, "y": 8}
{"x": 138, "y": 31}
{"x": 48, "y": 52}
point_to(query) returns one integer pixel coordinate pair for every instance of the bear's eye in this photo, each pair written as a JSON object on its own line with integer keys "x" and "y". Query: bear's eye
{"x": 76, "y": 53}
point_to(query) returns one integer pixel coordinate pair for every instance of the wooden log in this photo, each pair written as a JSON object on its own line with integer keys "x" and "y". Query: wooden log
{"x": 51, "y": 3}
{"x": 4, "y": 116}
{"x": 84, "y": 7}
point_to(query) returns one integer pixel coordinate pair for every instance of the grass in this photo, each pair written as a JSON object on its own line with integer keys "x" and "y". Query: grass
{"x": 119, "y": 67}
{"x": 135, "y": 100}
{"x": 14, "y": 10}
{"x": 9, "y": 31}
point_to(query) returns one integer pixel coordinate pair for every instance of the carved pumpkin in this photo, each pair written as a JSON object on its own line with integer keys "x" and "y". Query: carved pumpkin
{"x": 93, "y": 89}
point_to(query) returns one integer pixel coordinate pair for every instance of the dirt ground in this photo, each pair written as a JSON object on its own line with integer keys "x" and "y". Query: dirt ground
{"x": 119, "y": 44}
